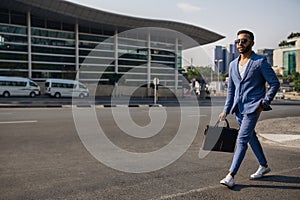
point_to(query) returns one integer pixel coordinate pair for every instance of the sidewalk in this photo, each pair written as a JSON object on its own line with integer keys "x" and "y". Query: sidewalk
{"x": 292, "y": 95}
{"x": 280, "y": 131}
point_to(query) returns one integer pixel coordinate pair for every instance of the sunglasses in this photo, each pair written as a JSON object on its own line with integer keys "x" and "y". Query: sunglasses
{"x": 243, "y": 41}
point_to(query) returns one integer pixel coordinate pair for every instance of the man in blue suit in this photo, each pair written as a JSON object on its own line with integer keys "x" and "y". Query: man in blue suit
{"x": 247, "y": 97}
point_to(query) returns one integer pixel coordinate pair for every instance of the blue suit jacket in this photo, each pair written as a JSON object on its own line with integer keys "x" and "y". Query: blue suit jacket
{"x": 247, "y": 93}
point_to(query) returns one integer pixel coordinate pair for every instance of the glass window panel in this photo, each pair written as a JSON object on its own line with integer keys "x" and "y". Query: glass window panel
{"x": 36, "y": 49}
{"x": 53, "y": 24}
{"x": 94, "y": 38}
{"x": 163, "y": 46}
{"x": 96, "y": 68}
{"x": 84, "y": 29}
{"x": 45, "y": 75}
{"x": 164, "y": 70}
{"x": 68, "y": 27}
{"x": 132, "y": 50}
{"x": 132, "y": 42}
{"x": 39, "y": 32}
{"x": 133, "y": 56}
{"x": 108, "y": 32}
{"x": 4, "y": 18}
{"x": 13, "y": 29}
{"x": 5, "y": 11}
{"x": 15, "y": 39}
{"x": 171, "y": 65}
{"x": 14, "y": 47}
{"x": 165, "y": 59}
{"x": 132, "y": 63}
{"x": 52, "y": 42}
{"x": 9, "y": 65}
{"x": 12, "y": 56}
{"x": 96, "y": 31}
{"x": 99, "y": 46}
{"x": 14, "y": 73}
{"x": 55, "y": 34}
{"x": 162, "y": 52}
{"x": 36, "y": 66}
{"x": 88, "y": 60}
{"x": 96, "y": 53}
{"x": 18, "y": 18}
{"x": 37, "y": 22}
{"x": 84, "y": 52}
{"x": 111, "y": 78}
{"x": 53, "y": 58}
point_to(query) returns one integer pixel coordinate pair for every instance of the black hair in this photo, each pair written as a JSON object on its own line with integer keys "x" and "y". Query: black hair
{"x": 247, "y": 32}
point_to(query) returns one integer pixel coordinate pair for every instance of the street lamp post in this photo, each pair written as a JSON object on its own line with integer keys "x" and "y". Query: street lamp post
{"x": 218, "y": 64}
{"x": 211, "y": 74}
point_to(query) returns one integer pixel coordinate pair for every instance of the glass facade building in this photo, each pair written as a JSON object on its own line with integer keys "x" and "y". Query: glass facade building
{"x": 39, "y": 42}
{"x": 287, "y": 58}
{"x": 289, "y": 62}
{"x": 226, "y": 54}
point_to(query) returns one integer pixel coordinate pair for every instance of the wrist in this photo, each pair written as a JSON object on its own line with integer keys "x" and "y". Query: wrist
{"x": 264, "y": 106}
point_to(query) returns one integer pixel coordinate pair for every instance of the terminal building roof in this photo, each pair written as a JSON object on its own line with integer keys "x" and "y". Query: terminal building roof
{"x": 71, "y": 12}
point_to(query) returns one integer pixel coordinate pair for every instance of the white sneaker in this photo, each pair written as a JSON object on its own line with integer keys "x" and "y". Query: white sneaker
{"x": 228, "y": 181}
{"x": 260, "y": 172}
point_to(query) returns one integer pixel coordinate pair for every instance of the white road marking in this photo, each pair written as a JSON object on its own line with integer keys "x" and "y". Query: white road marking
{"x": 19, "y": 122}
{"x": 280, "y": 137}
{"x": 213, "y": 187}
{"x": 182, "y": 194}
{"x": 197, "y": 115}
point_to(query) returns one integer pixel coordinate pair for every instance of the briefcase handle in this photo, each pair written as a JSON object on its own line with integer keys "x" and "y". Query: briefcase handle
{"x": 227, "y": 123}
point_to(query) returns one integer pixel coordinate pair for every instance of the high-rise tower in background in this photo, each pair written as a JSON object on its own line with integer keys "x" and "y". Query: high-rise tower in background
{"x": 224, "y": 55}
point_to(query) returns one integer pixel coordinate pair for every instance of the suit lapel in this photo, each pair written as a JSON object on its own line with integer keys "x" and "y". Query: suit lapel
{"x": 237, "y": 68}
{"x": 247, "y": 69}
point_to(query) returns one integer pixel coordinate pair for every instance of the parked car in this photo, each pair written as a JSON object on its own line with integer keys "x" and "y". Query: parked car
{"x": 279, "y": 95}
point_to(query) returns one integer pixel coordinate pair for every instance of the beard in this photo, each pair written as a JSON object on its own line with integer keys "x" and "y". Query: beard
{"x": 246, "y": 49}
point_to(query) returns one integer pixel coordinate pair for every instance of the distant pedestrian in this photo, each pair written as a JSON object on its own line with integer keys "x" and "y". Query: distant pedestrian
{"x": 247, "y": 97}
{"x": 197, "y": 88}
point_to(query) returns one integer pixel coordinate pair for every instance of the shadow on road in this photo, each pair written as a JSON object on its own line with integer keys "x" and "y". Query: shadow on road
{"x": 272, "y": 179}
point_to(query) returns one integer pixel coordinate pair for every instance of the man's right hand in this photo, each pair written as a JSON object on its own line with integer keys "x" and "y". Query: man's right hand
{"x": 222, "y": 116}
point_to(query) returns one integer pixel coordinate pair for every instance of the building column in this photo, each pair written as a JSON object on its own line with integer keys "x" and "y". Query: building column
{"x": 176, "y": 65}
{"x": 29, "y": 45}
{"x": 116, "y": 59}
{"x": 77, "y": 50}
{"x": 148, "y": 62}
{"x": 116, "y": 50}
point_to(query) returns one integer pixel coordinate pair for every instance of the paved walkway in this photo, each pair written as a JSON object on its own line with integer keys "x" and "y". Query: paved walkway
{"x": 280, "y": 131}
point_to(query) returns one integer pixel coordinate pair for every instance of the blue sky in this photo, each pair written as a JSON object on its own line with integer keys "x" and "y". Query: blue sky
{"x": 270, "y": 20}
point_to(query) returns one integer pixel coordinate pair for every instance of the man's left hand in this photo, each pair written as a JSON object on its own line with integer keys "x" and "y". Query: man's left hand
{"x": 259, "y": 109}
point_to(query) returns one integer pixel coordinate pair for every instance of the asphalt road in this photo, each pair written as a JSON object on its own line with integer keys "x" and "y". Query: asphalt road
{"x": 42, "y": 156}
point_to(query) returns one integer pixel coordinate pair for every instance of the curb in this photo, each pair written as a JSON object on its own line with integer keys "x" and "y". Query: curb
{"x": 114, "y": 106}
{"x": 78, "y": 106}
{"x": 30, "y": 106}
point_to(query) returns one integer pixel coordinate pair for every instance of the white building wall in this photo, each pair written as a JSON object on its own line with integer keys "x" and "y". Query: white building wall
{"x": 278, "y": 54}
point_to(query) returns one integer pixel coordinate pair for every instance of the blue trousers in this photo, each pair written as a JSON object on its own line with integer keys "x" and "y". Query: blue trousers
{"x": 247, "y": 135}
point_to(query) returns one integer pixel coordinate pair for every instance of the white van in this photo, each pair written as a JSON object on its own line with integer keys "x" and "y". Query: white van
{"x": 18, "y": 86}
{"x": 65, "y": 88}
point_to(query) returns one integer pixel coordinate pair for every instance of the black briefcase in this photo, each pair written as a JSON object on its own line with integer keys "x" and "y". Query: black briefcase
{"x": 220, "y": 138}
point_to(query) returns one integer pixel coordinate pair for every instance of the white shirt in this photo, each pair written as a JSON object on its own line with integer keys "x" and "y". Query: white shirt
{"x": 242, "y": 69}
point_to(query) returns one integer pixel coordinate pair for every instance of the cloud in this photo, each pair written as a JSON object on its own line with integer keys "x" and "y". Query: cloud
{"x": 186, "y": 7}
